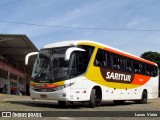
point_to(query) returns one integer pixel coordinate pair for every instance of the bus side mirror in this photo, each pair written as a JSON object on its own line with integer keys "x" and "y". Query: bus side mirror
{"x": 70, "y": 50}
{"x": 28, "y": 55}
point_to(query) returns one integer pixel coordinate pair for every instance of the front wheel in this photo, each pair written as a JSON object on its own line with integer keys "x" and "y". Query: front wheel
{"x": 92, "y": 101}
{"x": 62, "y": 103}
{"x": 118, "y": 102}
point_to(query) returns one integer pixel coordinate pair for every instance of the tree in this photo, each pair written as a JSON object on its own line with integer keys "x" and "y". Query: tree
{"x": 152, "y": 56}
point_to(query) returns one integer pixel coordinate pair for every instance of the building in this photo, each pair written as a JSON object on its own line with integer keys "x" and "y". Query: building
{"x": 14, "y": 75}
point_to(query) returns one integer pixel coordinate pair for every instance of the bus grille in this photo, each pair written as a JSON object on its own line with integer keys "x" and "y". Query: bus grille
{"x": 44, "y": 90}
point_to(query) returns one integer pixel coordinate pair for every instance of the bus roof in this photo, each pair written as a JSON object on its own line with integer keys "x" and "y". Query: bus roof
{"x": 93, "y": 43}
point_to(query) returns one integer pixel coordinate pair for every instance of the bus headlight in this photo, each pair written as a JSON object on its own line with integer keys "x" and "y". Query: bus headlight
{"x": 51, "y": 89}
{"x": 63, "y": 86}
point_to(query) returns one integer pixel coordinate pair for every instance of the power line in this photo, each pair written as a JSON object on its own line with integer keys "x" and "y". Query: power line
{"x": 82, "y": 28}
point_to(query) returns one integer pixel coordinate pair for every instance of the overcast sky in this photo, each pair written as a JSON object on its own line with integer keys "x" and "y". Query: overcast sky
{"x": 103, "y": 14}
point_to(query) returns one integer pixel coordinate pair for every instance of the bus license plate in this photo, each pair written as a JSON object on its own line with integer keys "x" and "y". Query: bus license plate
{"x": 43, "y": 96}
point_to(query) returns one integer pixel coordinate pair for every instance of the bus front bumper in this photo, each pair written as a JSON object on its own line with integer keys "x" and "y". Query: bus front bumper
{"x": 59, "y": 95}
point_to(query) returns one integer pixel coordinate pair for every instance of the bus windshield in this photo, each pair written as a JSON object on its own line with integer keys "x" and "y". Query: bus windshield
{"x": 50, "y": 65}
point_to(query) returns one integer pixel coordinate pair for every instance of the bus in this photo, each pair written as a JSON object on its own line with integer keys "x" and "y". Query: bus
{"x": 87, "y": 71}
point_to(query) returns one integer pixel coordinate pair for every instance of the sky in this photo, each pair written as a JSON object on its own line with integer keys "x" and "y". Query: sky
{"x": 129, "y": 25}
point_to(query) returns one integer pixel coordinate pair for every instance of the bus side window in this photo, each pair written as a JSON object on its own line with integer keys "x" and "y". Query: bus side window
{"x": 143, "y": 68}
{"x": 147, "y": 70}
{"x": 153, "y": 70}
{"x": 116, "y": 62}
{"x": 108, "y": 59}
{"x": 137, "y": 67}
{"x": 129, "y": 65}
{"x": 100, "y": 60}
{"x": 124, "y": 64}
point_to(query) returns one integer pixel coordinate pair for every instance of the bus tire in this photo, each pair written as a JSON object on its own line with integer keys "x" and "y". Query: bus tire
{"x": 92, "y": 101}
{"x": 62, "y": 103}
{"x": 118, "y": 102}
{"x": 143, "y": 99}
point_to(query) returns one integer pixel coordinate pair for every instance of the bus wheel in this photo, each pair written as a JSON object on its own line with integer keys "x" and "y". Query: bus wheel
{"x": 92, "y": 101}
{"x": 118, "y": 102}
{"x": 62, "y": 103}
{"x": 143, "y": 99}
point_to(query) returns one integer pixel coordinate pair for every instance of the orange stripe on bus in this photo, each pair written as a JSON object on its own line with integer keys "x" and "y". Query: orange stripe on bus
{"x": 45, "y": 86}
{"x": 127, "y": 55}
{"x": 51, "y": 85}
{"x": 140, "y": 79}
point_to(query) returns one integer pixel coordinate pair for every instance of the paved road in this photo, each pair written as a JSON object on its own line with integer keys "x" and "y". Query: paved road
{"x": 25, "y": 103}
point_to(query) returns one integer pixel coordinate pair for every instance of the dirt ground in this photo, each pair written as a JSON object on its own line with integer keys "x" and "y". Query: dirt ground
{"x": 25, "y": 103}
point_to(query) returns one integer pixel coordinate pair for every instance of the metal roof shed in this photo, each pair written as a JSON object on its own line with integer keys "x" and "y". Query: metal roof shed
{"x": 14, "y": 48}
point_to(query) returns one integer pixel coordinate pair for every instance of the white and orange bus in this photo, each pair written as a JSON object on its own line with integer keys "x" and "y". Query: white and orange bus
{"x": 72, "y": 71}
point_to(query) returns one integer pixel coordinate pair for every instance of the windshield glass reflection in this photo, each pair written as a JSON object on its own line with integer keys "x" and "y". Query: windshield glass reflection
{"x": 50, "y": 65}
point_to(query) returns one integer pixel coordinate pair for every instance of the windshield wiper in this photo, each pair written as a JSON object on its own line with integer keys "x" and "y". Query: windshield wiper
{"x": 42, "y": 69}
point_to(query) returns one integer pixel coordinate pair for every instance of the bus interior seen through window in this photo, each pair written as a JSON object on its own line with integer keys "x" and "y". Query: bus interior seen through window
{"x": 79, "y": 60}
{"x": 114, "y": 61}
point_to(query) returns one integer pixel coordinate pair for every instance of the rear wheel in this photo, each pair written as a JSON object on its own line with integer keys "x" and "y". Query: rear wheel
{"x": 143, "y": 99}
{"x": 62, "y": 103}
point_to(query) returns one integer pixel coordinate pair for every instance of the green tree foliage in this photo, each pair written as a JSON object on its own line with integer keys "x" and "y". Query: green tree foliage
{"x": 152, "y": 56}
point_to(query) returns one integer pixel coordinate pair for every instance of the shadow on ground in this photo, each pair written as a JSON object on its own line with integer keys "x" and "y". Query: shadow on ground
{"x": 76, "y": 105}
